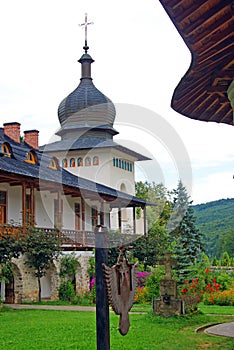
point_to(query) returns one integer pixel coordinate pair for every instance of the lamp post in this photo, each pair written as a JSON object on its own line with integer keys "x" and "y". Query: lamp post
{"x": 102, "y": 306}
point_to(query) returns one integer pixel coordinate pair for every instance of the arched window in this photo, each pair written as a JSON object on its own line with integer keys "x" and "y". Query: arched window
{"x": 72, "y": 162}
{"x": 6, "y": 149}
{"x": 31, "y": 157}
{"x": 64, "y": 163}
{"x": 53, "y": 163}
{"x": 123, "y": 188}
{"x": 80, "y": 161}
{"x": 87, "y": 161}
{"x": 95, "y": 160}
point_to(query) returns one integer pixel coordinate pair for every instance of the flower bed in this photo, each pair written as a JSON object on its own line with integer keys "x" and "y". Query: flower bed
{"x": 219, "y": 298}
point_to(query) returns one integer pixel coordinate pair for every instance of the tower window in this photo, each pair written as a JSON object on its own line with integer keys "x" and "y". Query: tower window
{"x": 64, "y": 163}
{"x": 122, "y": 164}
{"x": 87, "y": 161}
{"x": 72, "y": 162}
{"x": 80, "y": 161}
{"x": 95, "y": 160}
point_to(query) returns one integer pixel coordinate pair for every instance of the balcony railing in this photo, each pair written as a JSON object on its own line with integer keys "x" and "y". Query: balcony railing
{"x": 80, "y": 240}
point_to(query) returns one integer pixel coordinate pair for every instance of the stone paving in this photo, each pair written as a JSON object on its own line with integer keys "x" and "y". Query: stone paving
{"x": 222, "y": 329}
{"x": 52, "y": 307}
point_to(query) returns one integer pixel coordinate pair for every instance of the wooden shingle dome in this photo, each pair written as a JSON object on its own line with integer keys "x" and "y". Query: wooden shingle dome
{"x": 86, "y": 106}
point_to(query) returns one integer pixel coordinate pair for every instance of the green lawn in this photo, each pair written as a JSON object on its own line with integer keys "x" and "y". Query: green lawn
{"x": 60, "y": 330}
{"x": 215, "y": 309}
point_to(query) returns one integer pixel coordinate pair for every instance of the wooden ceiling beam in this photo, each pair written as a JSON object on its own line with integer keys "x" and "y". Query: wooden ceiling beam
{"x": 212, "y": 24}
{"x": 196, "y": 15}
{"x": 207, "y": 29}
{"x": 214, "y": 39}
{"x": 210, "y": 101}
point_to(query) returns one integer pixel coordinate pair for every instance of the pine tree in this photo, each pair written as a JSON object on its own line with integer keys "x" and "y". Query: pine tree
{"x": 183, "y": 232}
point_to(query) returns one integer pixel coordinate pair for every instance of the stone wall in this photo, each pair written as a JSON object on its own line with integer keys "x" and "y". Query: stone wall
{"x": 26, "y": 284}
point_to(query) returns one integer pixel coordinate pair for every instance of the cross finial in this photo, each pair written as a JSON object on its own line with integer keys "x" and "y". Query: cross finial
{"x": 85, "y": 25}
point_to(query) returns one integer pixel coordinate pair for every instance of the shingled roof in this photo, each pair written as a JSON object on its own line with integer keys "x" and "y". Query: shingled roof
{"x": 88, "y": 143}
{"x": 14, "y": 169}
{"x": 206, "y": 27}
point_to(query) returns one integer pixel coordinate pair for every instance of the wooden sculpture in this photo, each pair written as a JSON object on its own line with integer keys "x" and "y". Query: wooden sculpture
{"x": 121, "y": 282}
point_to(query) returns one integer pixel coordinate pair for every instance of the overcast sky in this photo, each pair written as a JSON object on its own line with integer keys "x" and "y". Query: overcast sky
{"x": 139, "y": 60}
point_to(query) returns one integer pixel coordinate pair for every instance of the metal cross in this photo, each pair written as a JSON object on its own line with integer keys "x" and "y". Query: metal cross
{"x": 85, "y": 24}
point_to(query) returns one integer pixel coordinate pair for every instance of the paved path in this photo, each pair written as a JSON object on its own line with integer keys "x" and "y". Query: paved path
{"x": 223, "y": 329}
{"x": 61, "y": 307}
{"x": 52, "y": 307}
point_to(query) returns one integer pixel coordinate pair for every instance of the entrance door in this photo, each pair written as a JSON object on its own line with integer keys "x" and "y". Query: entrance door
{"x": 9, "y": 291}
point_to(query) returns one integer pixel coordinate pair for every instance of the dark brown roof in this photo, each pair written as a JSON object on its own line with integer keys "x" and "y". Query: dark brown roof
{"x": 207, "y": 27}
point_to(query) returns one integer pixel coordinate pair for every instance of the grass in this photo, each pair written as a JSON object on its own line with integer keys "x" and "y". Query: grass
{"x": 61, "y": 330}
{"x": 216, "y": 309}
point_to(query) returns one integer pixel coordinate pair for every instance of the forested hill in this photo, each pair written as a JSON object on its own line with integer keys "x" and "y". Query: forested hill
{"x": 216, "y": 222}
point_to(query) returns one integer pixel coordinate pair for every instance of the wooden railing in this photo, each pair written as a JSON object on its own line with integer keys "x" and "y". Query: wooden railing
{"x": 10, "y": 230}
{"x": 76, "y": 239}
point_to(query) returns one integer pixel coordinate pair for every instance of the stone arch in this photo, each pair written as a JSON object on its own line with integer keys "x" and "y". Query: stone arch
{"x": 50, "y": 283}
{"x": 82, "y": 275}
{"x": 13, "y": 290}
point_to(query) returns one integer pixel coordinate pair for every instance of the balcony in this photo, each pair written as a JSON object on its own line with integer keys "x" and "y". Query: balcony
{"x": 76, "y": 240}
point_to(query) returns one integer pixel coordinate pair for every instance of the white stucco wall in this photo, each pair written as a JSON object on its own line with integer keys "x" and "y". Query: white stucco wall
{"x": 44, "y": 209}
{"x": 105, "y": 173}
{"x": 14, "y": 203}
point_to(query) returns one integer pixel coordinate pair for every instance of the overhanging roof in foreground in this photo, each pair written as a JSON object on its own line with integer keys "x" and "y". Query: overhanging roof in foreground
{"x": 206, "y": 27}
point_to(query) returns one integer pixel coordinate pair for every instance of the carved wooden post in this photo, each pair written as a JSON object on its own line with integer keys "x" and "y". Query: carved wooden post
{"x": 24, "y": 219}
{"x": 102, "y": 307}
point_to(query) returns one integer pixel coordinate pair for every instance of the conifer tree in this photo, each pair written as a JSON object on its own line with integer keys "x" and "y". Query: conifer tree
{"x": 183, "y": 232}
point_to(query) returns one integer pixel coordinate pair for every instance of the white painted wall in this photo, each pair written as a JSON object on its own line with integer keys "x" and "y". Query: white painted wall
{"x": 105, "y": 173}
{"x": 44, "y": 209}
{"x": 14, "y": 202}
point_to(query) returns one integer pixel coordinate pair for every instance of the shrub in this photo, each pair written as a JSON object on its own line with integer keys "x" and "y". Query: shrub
{"x": 141, "y": 296}
{"x": 92, "y": 290}
{"x": 66, "y": 291}
{"x": 69, "y": 265}
{"x": 153, "y": 283}
{"x": 141, "y": 278}
{"x": 219, "y": 298}
{"x": 225, "y": 280}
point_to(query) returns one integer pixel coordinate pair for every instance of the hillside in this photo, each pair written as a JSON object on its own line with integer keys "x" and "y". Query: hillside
{"x": 216, "y": 222}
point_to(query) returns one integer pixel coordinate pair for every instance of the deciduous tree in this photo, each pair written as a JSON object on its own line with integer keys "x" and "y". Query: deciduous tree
{"x": 40, "y": 249}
